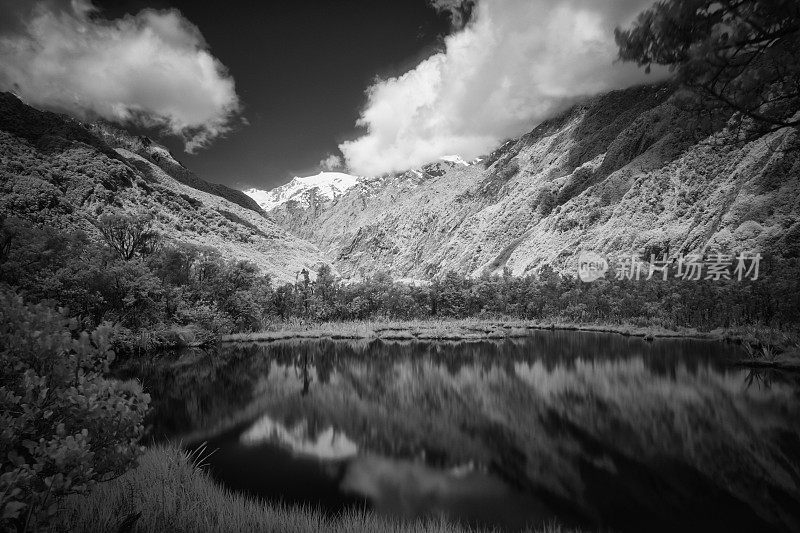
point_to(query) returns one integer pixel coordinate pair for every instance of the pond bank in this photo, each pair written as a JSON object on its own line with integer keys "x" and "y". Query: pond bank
{"x": 757, "y": 341}
{"x": 168, "y": 491}
{"x": 466, "y": 330}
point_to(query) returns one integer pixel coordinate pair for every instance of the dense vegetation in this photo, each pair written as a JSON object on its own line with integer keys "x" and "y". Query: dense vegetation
{"x": 185, "y": 293}
{"x": 732, "y": 55}
{"x": 63, "y": 425}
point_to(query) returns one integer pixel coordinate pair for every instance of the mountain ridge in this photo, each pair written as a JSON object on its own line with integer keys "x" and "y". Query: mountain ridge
{"x": 57, "y": 172}
{"x": 620, "y": 173}
{"x": 307, "y": 191}
{"x": 163, "y": 158}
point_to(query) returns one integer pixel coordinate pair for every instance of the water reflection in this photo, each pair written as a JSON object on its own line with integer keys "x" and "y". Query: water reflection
{"x": 412, "y": 488}
{"x": 327, "y": 445}
{"x": 596, "y": 430}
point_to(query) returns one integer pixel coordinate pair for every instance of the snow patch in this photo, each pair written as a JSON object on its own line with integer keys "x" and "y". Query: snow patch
{"x": 325, "y": 185}
{"x": 455, "y": 159}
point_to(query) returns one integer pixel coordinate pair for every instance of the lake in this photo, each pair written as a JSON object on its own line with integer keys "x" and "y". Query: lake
{"x": 594, "y": 430}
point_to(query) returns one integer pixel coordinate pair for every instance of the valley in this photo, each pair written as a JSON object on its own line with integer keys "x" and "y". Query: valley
{"x": 619, "y": 174}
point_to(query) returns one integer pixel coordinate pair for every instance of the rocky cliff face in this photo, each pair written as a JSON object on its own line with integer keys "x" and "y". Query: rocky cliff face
{"x": 61, "y": 173}
{"x": 619, "y": 174}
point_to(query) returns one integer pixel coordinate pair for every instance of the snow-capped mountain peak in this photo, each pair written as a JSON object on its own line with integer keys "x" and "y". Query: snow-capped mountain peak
{"x": 456, "y": 159}
{"x": 325, "y": 185}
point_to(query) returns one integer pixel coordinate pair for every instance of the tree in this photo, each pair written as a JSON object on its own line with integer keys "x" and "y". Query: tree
{"x": 452, "y": 295}
{"x": 63, "y": 425}
{"x": 735, "y": 55}
{"x": 303, "y": 289}
{"x": 130, "y": 294}
{"x": 232, "y": 290}
{"x": 128, "y": 235}
{"x": 283, "y": 300}
{"x": 324, "y": 292}
{"x": 173, "y": 264}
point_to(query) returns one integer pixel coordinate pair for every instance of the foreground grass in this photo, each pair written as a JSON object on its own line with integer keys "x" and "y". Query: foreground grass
{"x": 167, "y": 492}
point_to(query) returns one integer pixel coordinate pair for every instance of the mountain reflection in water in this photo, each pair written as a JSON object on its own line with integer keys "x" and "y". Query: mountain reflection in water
{"x": 594, "y": 430}
{"x": 327, "y": 445}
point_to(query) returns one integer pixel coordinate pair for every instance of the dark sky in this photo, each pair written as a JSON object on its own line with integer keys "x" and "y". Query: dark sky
{"x": 301, "y": 69}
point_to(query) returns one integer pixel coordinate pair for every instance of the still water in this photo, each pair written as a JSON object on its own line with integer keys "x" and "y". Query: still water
{"x": 594, "y": 430}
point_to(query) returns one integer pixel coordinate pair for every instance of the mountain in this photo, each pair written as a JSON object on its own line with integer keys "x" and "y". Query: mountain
{"x": 311, "y": 192}
{"x": 61, "y": 173}
{"x": 163, "y": 158}
{"x": 621, "y": 173}
{"x": 305, "y": 192}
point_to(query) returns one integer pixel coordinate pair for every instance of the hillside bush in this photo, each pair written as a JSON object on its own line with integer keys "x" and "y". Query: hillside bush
{"x": 64, "y": 426}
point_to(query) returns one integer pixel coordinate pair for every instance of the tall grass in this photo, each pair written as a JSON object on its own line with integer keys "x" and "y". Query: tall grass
{"x": 169, "y": 492}
{"x": 445, "y": 329}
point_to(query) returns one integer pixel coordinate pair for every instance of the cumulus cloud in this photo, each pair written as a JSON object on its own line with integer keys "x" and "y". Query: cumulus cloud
{"x": 332, "y": 162}
{"x": 153, "y": 68}
{"x": 516, "y": 63}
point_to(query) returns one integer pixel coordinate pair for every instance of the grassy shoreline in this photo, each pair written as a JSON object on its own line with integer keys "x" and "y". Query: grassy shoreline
{"x": 469, "y": 329}
{"x": 169, "y": 492}
{"x": 766, "y": 347}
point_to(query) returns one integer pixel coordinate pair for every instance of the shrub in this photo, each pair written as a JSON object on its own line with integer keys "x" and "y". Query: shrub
{"x": 63, "y": 425}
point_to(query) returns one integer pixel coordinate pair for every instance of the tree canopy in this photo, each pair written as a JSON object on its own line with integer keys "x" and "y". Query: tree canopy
{"x": 127, "y": 234}
{"x": 738, "y": 55}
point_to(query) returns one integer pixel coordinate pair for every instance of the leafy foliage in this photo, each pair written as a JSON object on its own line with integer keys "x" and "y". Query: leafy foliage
{"x": 736, "y": 55}
{"x": 63, "y": 425}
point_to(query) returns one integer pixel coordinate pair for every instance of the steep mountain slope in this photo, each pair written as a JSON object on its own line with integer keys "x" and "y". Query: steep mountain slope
{"x": 619, "y": 174}
{"x": 155, "y": 153}
{"x": 57, "y": 172}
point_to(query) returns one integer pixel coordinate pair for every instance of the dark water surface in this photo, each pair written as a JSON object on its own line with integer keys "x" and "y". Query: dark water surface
{"x": 595, "y": 430}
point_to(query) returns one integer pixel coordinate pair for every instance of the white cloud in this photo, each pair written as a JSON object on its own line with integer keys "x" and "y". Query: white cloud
{"x": 152, "y": 68}
{"x": 517, "y": 63}
{"x": 332, "y": 162}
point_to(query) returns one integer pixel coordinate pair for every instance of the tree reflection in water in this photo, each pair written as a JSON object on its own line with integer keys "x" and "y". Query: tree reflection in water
{"x": 301, "y": 365}
{"x": 594, "y": 430}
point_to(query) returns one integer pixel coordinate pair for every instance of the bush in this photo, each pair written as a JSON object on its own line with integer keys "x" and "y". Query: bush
{"x": 63, "y": 425}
